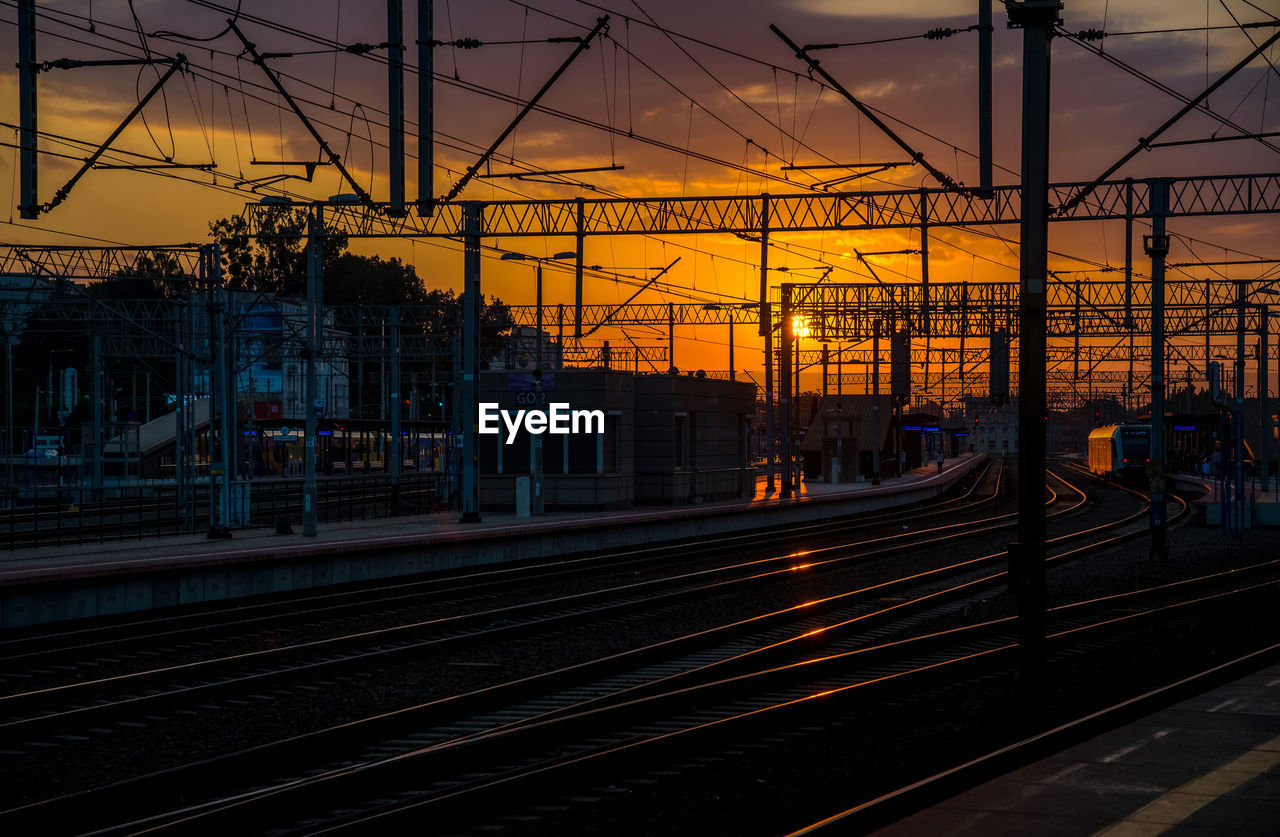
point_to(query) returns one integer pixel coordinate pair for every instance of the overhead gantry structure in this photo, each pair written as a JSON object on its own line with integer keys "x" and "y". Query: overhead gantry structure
{"x": 933, "y": 309}
{"x": 949, "y": 312}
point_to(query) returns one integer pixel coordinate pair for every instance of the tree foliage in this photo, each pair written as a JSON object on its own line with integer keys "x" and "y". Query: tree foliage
{"x": 275, "y": 260}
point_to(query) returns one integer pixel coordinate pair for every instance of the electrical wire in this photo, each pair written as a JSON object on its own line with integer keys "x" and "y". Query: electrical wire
{"x": 713, "y": 46}
{"x": 1164, "y": 88}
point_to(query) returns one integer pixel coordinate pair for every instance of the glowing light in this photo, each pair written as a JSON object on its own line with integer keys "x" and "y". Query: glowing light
{"x": 798, "y": 567}
{"x": 800, "y": 327}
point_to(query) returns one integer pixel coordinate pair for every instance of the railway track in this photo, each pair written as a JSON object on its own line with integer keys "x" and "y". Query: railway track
{"x": 475, "y": 592}
{"x": 704, "y": 663}
{"x": 82, "y": 699}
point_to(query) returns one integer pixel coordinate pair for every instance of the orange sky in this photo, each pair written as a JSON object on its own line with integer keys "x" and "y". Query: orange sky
{"x": 1099, "y": 113}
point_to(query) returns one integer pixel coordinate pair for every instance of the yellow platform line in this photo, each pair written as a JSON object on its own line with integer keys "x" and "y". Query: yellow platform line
{"x": 1179, "y": 804}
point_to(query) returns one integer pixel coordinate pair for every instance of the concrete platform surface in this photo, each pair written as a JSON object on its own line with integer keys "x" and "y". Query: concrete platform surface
{"x": 1209, "y": 765}
{"x": 156, "y": 554}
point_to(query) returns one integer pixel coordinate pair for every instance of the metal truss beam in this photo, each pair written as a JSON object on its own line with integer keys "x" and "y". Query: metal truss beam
{"x": 93, "y": 263}
{"x": 646, "y": 358}
{"x": 977, "y": 380}
{"x": 657, "y": 314}
{"x": 1099, "y": 308}
{"x": 1237, "y": 194}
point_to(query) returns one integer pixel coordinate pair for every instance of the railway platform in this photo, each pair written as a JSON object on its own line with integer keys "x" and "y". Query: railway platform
{"x": 1260, "y": 503}
{"x": 49, "y": 584}
{"x": 1208, "y": 766}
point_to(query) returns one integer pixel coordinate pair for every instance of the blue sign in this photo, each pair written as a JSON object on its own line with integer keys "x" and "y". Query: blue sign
{"x": 524, "y": 381}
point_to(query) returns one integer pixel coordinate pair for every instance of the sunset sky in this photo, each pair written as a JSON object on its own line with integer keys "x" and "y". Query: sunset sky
{"x": 753, "y": 113}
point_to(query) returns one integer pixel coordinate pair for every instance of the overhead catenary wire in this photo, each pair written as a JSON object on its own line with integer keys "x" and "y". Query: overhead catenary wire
{"x": 819, "y": 92}
{"x": 319, "y": 40}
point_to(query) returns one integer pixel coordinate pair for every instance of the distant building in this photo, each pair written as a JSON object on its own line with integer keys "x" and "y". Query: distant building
{"x": 995, "y": 426}
{"x": 837, "y": 445}
{"x": 521, "y": 350}
{"x": 667, "y": 439}
{"x": 272, "y": 380}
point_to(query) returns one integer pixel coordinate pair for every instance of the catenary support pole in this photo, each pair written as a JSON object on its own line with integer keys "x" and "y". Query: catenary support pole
{"x": 469, "y": 392}
{"x": 426, "y": 107}
{"x": 580, "y": 243}
{"x": 733, "y": 376}
{"x": 671, "y": 335}
{"x": 1026, "y": 555}
{"x": 1128, "y": 254}
{"x": 1264, "y": 414}
{"x": 784, "y": 391}
{"x": 395, "y": 102}
{"x": 985, "y": 28}
{"x": 226, "y": 407}
{"x": 539, "y": 504}
{"x": 1157, "y": 247}
{"x": 766, "y": 331}
{"x": 28, "y": 72}
{"x": 95, "y": 444}
{"x": 9, "y": 447}
{"x": 315, "y": 307}
{"x": 396, "y": 461}
{"x": 876, "y": 440}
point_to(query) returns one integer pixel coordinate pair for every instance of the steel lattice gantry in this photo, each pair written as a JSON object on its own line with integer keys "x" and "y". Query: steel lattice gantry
{"x": 91, "y": 263}
{"x": 969, "y": 309}
{"x": 888, "y": 209}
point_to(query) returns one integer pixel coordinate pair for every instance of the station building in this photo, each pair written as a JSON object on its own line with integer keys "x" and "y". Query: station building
{"x": 838, "y": 443}
{"x": 667, "y": 439}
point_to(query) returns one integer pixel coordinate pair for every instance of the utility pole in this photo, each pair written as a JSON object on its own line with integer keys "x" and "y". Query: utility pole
{"x": 876, "y": 442}
{"x": 1036, "y": 18}
{"x": 395, "y": 102}
{"x": 1264, "y": 398}
{"x": 221, "y": 391}
{"x": 315, "y": 303}
{"x": 426, "y": 107}
{"x": 1264, "y": 414}
{"x": 1157, "y": 247}
{"x": 95, "y": 445}
{"x": 985, "y": 28}
{"x": 784, "y": 391}
{"x": 671, "y": 335}
{"x": 766, "y": 331}
{"x": 28, "y": 70}
{"x": 469, "y": 391}
{"x": 538, "y": 504}
{"x": 397, "y": 456}
{"x": 9, "y": 342}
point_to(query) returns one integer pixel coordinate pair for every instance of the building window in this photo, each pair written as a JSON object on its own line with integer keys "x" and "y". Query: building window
{"x": 680, "y": 438}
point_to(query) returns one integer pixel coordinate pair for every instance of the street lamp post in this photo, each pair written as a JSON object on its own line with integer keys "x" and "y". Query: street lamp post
{"x": 536, "y": 441}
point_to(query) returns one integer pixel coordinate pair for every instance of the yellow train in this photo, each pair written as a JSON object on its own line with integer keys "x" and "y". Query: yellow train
{"x": 1121, "y": 451}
